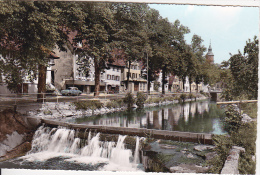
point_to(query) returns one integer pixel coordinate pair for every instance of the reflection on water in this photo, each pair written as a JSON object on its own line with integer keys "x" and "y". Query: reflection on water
{"x": 202, "y": 117}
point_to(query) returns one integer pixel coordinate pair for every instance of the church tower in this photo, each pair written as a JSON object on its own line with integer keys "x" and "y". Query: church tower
{"x": 210, "y": 55}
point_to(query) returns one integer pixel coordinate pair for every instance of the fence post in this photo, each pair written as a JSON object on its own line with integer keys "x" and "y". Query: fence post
{"x": 15, "y": 105}
{"x": 43, "y": 97}
{"x": 57, "y": 97}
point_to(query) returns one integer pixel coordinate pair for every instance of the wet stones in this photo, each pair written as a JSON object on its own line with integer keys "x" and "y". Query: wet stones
{"x": 186, "y": 168}
{"x": 164, "y": 146}
{"x": 203, "y": 147}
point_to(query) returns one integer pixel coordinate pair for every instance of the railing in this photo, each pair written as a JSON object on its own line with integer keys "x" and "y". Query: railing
{"x": 25, "y": 99}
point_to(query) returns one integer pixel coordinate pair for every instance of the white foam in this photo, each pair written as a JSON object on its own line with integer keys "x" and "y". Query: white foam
{"x": 61, "y": 142}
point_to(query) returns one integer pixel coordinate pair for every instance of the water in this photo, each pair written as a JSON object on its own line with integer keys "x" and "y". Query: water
{"x": 60, "y": 149}
{"x": 202, "y": 117}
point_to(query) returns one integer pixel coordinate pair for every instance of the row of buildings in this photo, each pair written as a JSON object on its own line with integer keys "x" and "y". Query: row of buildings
{"x": 63, "y": 72}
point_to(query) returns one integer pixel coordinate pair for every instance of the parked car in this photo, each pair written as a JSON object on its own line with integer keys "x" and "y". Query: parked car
{"x": 71, "y": 91}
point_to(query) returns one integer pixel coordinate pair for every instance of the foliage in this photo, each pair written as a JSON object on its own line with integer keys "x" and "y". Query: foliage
{"x": 112, "y": 104}
{"x": 140, "y": 99}
{"x": 29, "y": 32}
{"x": 222, "y": 146}
{"x": 249, "y": 109}
{"x": 243, "y": 78}
{"x": 243, "y": 135}
{"x": 119, "y": 101}
{"x": 183, "y": 97}
{"x": 191, "y": 96}
{"x": 92, "y": 104}
{"x": 129, "y": 100}
{"x": 232, "y": 120}
{"x": 156, "y": 85}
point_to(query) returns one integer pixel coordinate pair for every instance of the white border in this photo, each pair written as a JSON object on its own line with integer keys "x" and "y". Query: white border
{"x": 242, "y": 3}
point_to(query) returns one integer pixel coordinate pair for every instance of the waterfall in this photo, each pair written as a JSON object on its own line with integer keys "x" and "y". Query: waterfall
{"x": 50, "y": 143}
{"x": 136, "y": 155}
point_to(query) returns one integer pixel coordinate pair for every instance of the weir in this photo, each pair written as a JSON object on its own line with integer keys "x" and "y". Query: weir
{"x": 202, "y": 138}
{"x": 62, "y": 143}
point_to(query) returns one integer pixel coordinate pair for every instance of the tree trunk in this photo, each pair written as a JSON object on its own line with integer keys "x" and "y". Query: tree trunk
{"x": 97, "y": 78}
{"x": 41, "y": 82}
{"x": 190, "y": 85}
{"x": 163, "y": 80}
{"x": 149, "y": 86}
{"x": 183, "y": 82}
{"x": 128, "y": 75}
{"x": 163, "y": 127}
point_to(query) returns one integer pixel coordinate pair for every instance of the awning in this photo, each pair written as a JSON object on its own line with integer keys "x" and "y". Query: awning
{"x": 80, "y": 82}
{"x": 136, "y": 80}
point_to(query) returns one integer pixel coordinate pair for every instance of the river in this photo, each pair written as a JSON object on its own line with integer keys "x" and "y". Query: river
{"x": 200, "y": 117}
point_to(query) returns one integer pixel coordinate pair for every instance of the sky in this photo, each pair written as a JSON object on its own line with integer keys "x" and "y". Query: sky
{"x": 228, "y": 28}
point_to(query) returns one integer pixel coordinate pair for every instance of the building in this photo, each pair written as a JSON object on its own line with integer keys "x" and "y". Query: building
{"x": 210, "y": 55}
{"x": 136, "y": 82}
{"x": 112, "y": 76}
{"x": 31, "y": 85}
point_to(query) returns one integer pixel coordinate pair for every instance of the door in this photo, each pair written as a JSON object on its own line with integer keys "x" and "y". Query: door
{"x": 136, "y": 86}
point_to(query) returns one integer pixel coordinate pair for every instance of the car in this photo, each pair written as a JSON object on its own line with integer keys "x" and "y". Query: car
{"x": 71, "y": 91}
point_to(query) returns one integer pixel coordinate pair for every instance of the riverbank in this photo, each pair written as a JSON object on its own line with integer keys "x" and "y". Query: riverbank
{"x": 236, "y": 151}
{"x": 65, "y": 110}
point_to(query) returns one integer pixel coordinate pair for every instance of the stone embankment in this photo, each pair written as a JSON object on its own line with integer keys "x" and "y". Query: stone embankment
{"x": 231, "y": 164}
{"x": 52, "y": 110}
{"x": 14, "y": 131}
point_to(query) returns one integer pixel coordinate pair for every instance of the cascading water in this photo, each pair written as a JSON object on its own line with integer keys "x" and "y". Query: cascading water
{"x": 52, "y": 143}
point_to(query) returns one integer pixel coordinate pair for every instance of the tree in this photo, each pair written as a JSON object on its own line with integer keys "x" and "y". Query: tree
{"x": 95, "y": 33}
{"x": 29, "y": 32}
{"x": 179, "y": 64}
{"x": 198, "y": 50}
{"x": 130, "y": 34}
{"x": 243, "y": 77}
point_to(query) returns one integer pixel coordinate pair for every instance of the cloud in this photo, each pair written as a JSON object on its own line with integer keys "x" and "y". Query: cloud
{"x": 226, "y": 16}
{"x": 189, "y": 9}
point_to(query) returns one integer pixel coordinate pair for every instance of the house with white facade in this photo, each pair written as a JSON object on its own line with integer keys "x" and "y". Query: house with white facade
{"x": 28, "y": 85}
{"x": 136, "y": 82}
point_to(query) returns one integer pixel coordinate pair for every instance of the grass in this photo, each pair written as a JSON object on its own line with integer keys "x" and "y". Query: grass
{"x": 250, "y": 109}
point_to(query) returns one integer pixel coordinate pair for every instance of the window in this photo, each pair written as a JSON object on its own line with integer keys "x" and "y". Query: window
{"x": 117, "y": 78}
{"x": 108, "y": 77}
{"x": 133, "y": 75}
{"x": 139, "y": 75}
{"x": 136, "y": 75}
{"x": 113, "y": 77}
{"x": 135, "y": 67}
{"x": 140, "y": 86}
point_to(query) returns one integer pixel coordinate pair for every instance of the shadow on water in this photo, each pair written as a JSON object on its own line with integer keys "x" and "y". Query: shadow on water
{"x": 202, "y": 117}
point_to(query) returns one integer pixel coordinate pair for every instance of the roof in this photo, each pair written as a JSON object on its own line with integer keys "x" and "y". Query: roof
{"x": 53, "y": 56}
{"x": 210, "y": 50}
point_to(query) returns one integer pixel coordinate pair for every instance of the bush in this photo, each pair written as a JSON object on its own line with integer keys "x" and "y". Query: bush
{"x": 112, "y": 104}
{"x": 223, "y": 145}
{"x": 119, "y": 101}
{"x": 243, "y": 135}
{"x": 232, "y": 120}
{"x": 129, "y": 100}
{"x": 183, "y": 97}
{"x": 140, "y": 99}
{"x": 93, "y": 104}
{"x": 191, "y": 96}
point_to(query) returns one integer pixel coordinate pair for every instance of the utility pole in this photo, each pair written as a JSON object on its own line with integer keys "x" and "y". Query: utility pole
{"x": 147, "y": 73}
